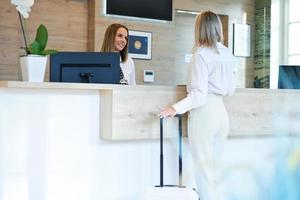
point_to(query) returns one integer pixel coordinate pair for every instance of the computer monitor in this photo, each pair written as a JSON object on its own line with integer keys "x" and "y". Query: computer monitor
{"x": 85, "y": 67}
{"x": 289, "y": 77}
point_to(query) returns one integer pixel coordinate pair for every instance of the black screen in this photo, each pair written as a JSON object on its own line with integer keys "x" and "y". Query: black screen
{"x": 85, "y": 67}
{"x": 151, "y": 9}
{"x": 289, "y": 77}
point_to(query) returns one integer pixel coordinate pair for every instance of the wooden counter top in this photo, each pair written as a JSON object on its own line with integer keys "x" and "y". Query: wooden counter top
{"x": 129, "y": 112}
{"x": 126, "y": 112}
{"x": 76, "y": 86}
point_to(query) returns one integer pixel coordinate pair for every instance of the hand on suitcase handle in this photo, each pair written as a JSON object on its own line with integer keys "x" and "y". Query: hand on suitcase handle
{"x": 167, "y": 112}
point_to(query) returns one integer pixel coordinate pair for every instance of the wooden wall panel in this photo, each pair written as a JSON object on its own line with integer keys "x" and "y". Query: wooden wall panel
{"x": 167, "y": 60}
{"x": 67, "y": 24}
{"x": 66, "y": 21}
{"x": 9, "y": 46}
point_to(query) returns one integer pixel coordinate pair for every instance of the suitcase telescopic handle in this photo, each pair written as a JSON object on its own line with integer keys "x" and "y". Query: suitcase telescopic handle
{"x": 161, "y": 153}
{"x": 179, "y": 150}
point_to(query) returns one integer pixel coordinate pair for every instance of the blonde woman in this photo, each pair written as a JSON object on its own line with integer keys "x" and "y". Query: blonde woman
{"x": 116, "y": 40}
{"x": 210, "y": 77}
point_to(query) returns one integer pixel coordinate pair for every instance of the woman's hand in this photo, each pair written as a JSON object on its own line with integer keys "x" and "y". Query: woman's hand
{"x": 167, "y": 112}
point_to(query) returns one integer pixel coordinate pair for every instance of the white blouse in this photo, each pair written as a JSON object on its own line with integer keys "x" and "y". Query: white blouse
{"x": 129, "y": 71}
{"x": 209, "y": 72}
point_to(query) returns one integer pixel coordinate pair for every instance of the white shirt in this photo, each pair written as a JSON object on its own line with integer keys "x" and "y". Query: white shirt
{"x": 128, "y": 70}
{"x": 209, "y": 72}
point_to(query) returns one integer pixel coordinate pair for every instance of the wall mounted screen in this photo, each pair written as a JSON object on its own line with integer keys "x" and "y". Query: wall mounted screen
{"x": 151, "y": 9}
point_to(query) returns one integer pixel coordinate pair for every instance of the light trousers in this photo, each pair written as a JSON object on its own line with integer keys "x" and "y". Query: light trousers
{"x": 208, "y": 128}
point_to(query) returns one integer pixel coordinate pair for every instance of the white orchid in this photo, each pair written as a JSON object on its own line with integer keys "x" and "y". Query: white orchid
{"x": 23, "y": 6}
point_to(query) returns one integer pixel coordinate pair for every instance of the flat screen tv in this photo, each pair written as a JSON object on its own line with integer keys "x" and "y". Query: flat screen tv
{"x": 85, "y": 67}
{"x": 151, "y": 9}
{"x": 289, "y": 77}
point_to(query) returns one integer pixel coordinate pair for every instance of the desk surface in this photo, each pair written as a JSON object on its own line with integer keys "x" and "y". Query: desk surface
{"x": 76, "y": 86}
{"x": 252, "y": 112}
{"x": 84, "y": 86}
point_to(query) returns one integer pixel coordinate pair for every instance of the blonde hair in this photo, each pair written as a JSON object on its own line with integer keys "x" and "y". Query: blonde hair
{"x": 208, "y": 30}
{"x": 108, "y": 44}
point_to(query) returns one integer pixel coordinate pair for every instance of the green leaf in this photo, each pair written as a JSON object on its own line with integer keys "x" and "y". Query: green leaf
{"x": 35, "y": 48}
{"x": 49, "y": 51}
{"x": 38, "y": 46}
{"x": 42, "y": 36}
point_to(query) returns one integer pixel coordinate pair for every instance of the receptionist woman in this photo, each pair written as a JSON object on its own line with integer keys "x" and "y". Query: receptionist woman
{"x": 116, "y": 40}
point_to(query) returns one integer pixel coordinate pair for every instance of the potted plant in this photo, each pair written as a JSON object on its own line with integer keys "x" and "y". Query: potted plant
{"x": 33, "y": 64}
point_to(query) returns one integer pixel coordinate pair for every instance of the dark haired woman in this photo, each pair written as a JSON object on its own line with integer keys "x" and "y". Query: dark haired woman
{"x": 116, "y": 40}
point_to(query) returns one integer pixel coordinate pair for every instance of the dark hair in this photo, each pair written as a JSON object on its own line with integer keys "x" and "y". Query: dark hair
{"x": 109, "y": 40}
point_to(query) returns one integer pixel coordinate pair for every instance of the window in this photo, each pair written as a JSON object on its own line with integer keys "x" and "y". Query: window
{"x": 293, "y": 53}
{"x": 285, "y": 29}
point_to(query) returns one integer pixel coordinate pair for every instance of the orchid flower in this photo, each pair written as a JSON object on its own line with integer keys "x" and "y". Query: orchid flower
{"x": 23, "y": 6}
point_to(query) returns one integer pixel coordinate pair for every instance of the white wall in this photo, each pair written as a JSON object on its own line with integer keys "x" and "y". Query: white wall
{"x": 50, "y": 150}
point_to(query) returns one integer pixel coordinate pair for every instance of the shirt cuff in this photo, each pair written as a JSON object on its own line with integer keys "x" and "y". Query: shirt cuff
{"x": 181, "y": 107}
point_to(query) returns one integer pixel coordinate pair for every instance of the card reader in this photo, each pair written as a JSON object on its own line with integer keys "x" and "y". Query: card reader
{"x": 148, "y": 76}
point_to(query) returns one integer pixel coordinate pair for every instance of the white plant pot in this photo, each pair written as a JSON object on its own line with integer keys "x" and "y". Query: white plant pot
{"x": 33, "y": 68}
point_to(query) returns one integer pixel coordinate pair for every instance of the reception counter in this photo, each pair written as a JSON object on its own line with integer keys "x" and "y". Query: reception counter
{"x": 129, "y": 112}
